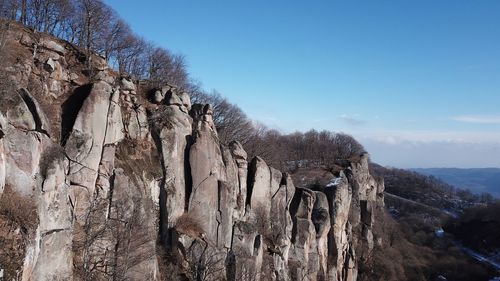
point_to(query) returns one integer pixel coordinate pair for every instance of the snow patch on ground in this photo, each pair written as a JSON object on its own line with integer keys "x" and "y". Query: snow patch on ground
{"x": 334, "y": 182}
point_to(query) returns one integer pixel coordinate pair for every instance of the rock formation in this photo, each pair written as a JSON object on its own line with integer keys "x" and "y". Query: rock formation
{"x": 141, "y": 180}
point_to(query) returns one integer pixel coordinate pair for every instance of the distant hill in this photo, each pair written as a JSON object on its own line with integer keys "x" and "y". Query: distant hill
{"x": 477, "y": 180}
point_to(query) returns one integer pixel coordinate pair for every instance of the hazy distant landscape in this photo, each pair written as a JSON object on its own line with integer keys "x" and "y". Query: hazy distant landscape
{"x": 477, "y": 180}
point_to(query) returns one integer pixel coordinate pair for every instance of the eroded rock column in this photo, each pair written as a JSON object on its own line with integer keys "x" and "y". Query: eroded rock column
{"x": 51, "y": 257}
{"x": 339, "y": 195}
{"x": 174, "y": 140}
{"x": 2, "y": 156}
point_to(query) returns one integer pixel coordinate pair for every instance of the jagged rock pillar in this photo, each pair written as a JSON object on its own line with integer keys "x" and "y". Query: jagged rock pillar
{"x": 259, "y": 185}
{"x": 321, "y": 221}
{"x": 228, "y": 196}
{"x": 303, "y": 261}
{"x": 2, "y": 159}
{"x": 280, "y": 224}
{"x": 207, "y": 170}
{"x": 339, "y": 195}
{"x": 366, "y": 197}
{"x": 240, "y": 156}
{"x": 252, "y": 227}
{"x": 85, "y": 145}
{"x": 23, "y": 144}
{"x": 50, "y": 258}
{"x": 174, "y": 128}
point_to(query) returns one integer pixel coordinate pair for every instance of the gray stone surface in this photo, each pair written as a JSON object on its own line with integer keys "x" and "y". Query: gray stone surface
{"x": 174, "y": 148}
{"x": 87, "y": 139}
{"x": 2, "y": 164}
{"x": 52, "y": 254}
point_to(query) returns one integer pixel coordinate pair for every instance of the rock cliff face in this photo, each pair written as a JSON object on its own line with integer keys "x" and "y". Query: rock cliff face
{"x": 133, "y": 183}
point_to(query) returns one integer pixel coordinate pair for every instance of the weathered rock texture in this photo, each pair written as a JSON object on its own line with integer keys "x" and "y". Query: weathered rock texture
{"x": 141, "y": 182}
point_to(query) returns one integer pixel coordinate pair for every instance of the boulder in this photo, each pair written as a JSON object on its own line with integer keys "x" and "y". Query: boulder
{"x": 158, "y": 97}
{"x": 106, "y": 171}
{"x": 52, "y": 46}
{"x": 104, "y": 75}
{"x": 19, "y": 115}
{"x": 280, "y": 226}
{"x": 186, "y": 100}
{"x": 50, "y": 65}
{"x": 247, "y": 253}
{"x": 127, "y": 85}
{"x": 137, "y": 126}
{"x": 171, "y": 98}
{"x": 41, "y": 121}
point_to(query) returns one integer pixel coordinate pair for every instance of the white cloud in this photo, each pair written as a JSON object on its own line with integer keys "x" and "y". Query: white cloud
{"x": 423, "y": 136}
{"x": 409, "y": 149}
{"x": 352, "y": 119}
{"x": 479, "y": 119}
{"x": 434, "y": 154}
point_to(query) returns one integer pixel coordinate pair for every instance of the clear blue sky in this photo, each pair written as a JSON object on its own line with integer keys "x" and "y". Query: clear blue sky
{"x": 417, "y": 82}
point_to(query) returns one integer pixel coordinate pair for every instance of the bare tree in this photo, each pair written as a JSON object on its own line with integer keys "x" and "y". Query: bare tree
{"x": 91, "y": 229}
{"x": 347, "y": 147}
{"x": 204, "y": 263}
{"x": 165, "y": 67}
{"x": 231, "y": 122}
{"x": 93, "y": 25}
{"x": 110, "y": 240}
{"x": 94, "y": 20}
{"x": 10, "y": 9}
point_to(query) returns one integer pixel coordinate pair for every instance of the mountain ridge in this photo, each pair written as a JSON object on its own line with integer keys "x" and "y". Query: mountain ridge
{"x": 477, "y": 180}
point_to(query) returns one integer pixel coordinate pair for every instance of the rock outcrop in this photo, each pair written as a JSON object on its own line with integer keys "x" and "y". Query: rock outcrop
{"x": 141, "y": 181}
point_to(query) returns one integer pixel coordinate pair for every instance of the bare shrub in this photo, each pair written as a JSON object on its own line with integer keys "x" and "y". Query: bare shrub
{"x": 8, "y": 96}
{"x": 18, "y": 221}
{"x": 204, "y": 263}
{"x": 163, "y": 117}
{"x": 89, "y": 232}
{"x": 138, "y": 158}
{"x": 54, "y": 153}
{"x": 111, "y": 247}
{"x": 189, "y": 224}
{"x": 20, "y": 211}
{"x": 4, "y": 29}
{"x": 131, "y": 236}
{"x": 168, "y": 265}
